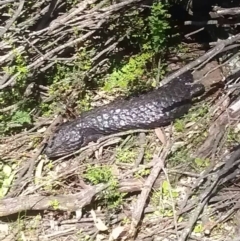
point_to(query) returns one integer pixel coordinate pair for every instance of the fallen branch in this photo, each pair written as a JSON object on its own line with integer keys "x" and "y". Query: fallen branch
{"x": 147, "y": 187}
{"x": 72, "y": 202}
{"x": 68, "y": 202}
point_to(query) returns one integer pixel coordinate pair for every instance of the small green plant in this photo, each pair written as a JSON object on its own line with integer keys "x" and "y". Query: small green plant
{"x": 98, "y": 174}
{"x": 149, "y": 152}
{"x": 142, "y": 173}
{"x": 199, "y": 162}
{"x": 166, "y": 189}
{"x": 103, "y": 174}
{"x": 15, "y": 93}
{"x": 179, "y": 125}
{"x": 133, "y": 69}
{"x": 19, "y": 67}
{"x": 50, "y": 165}
{"x": 113, "y": 198}
{"x": 7, "y": 174}
{"x": 232, "y": 136}
{"x": 60, "y": 83}
{"x": 17, "y": 119}
{"x": 85, "y": 103}
{"x": 126, "y": 220}
{"x": 198, "y": 112}
{"x": 158, "y": 25}
{"x": 54, "y": 204}
{"x": 149, "y": 35}
{"x": 65, "y": 79}
{"x": 125, "y": 155}
{"x": 21, "y": 117}
{"x": 198, "y": 228}
{"x": 83, "y": 61}
{"x": 179, "y": 156}
{"x": 14, "y": 96}
{"x": 194, "y": 114}
{"x": 163, "y": 199}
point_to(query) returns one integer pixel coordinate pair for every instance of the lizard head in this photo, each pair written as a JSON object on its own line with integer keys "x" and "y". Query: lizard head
{"x": 66, "y": 139}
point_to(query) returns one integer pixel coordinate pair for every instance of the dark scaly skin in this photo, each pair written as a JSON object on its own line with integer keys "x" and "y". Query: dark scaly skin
{"x": 154, "y": 109}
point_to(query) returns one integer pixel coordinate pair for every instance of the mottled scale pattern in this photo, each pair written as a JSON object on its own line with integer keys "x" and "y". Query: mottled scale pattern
{"x": 153, "y": 109}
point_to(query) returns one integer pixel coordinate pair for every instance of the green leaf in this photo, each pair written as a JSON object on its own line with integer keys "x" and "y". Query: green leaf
{"x": 198, "y": 228}
{"x": 8, "y": 175}
{"x": 7, "y": 170}
{"x": 21, "y": 117}
{"x": 165, "y": 186}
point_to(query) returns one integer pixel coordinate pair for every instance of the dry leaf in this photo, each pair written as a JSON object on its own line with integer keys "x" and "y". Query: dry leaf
{"x": 116, "y": 233}
{"x": 41, "y": 130}
{"x": 79, "y": 214}
{"x": 160, "y": 133}
{"x": 98, "y": 222}
{"x": 38, "y": 173}
{"x": 4, "y": 228}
